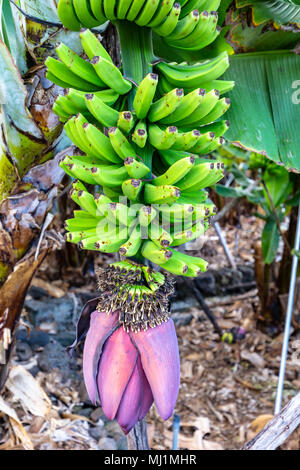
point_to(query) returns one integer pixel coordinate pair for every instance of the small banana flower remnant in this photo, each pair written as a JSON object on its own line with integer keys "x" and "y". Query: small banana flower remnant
{"x": 131, "y": 359}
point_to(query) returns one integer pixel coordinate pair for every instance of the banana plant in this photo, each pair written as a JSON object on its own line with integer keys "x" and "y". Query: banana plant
{"x": 31, "y": 139}
{"x": 272, "y": 190}
{"x": 265, "y": 35}
{"x": 261, "y": 38}
{"x": 274, "y": 193}
{"x": 143, "y": 132}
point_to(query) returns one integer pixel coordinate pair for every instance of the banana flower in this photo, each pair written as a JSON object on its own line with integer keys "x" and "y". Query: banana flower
{"x": 126, "y": 371}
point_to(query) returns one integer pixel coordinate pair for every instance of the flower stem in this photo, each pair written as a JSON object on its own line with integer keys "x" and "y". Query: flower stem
{"x": 137, "y": 439}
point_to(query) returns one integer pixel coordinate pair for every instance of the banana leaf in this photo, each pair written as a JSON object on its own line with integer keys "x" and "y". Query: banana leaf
{"x": 270, "y": 240}
{"x": 11, "y": 34}
{"x": 280, "y": 11}
{"x": 264, "y": 112}
{"x": 250, "y": 39}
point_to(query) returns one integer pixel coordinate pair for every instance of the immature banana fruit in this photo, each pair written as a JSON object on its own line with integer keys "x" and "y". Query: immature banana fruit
{"x": 111, "y": 75}
{"x": 194, "y": 76}
{"x": 143, "y": 143}
{"x": 144, "y": 95}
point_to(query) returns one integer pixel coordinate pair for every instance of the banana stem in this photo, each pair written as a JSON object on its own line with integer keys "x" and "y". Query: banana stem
{"x": 137, "y": 57}
{"x": 136, "y": 52}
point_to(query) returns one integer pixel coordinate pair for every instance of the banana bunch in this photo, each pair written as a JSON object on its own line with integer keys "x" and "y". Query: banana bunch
{"x": 185, "y": 24}
{"x": 145, "y": 146}
{"x": 97, "y": 76}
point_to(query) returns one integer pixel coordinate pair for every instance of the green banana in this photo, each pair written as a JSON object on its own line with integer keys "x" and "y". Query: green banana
{"x": 165, "y": 194}
{"x": 169, "y": 24}
{"x": 216, "y": 143}
{"x": 185, "y": 236}
{"x": 120, "y": 144}
{"x": 140, "y": 135}
{"x": 100, "y": 144}
{"x": 165, "y": 105}
{"x": 198, "y": 174}
{"x": 135, "y": 9}
{"x": 176, "y": 213}
{"x": 161, "y": 13}
{"x": 144, "y": 95}
{"x": 175, "y": 266}
{"x": 155, "y": 254}
{"x": 101, "y": 199}
{"x": 176, "y": 172}
{"x": 147, "y": 13}
{"x": 67, "y": 15}
{"x": 218, "y": 128}
{"x": 133, "y": 244}
{"x": 195, "y": 75}
{"x": 162, "y": 139}
{"x": 113, "y": 193}
{"x": 203, "y": 34}
{"x": 169, "y": 157}
{"x": 103, "y": 245}
{"x": 103, "y": 113}
{"x": 146, "y": 215}
{"x": 189, "y": 5}
{"x": 77, "y": 170}
{"x": 122, "y": 8}
{"x": 125, "y": 121}
{"x": 135, "y": 168}
{"x": 77, "y": 104}
{"x": 77, "y": 236}
{"x": 185, "y": 26}
{"x": 86, "y": 169}
{"x": 84, "y": 13}
{"x": 203, "y": 142}
{"x": 78, "y": 66}
{"x": 58, "y": 69}
{"x": 71, "y": 129}
{"x": 59, "y": 110}
{"x": 196, "y": 197}
{"x": 207, "y": 104}
{"x": 54, "y": 79}
{"x": 72, "y": 133}
{"x": 78, "y": 223}
{"x": 109, "y": 7}
{"x": 186, "y": 107}
{"x": 132, "y": 189}
{"x": 211, "y": 179}
{"x": 91, "y": 45}
{"x": 191, "y": 260}
{"x": 85, "y": 200}
{"x": 159, "y": 236}
{"x": 186, "y": 140}
{"x": 223, "y": 86}
{"x": 111, "y": 75}
{"x": 79, "y": 122}
{"x": 220, "y": 108}
{"x": 116, "y": 213}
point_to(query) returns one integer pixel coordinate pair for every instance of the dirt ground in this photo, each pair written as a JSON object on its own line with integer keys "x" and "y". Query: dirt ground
{"x": 227, "y": 391}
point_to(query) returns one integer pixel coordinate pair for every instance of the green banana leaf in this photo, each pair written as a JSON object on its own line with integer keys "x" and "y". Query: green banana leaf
{"x": 280, "y": 11}
{"x": 270, "y": 240}
{"x": 11, "y": 34}
{"x": 264, "y": 113}
{"x": 249, "y": 39}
